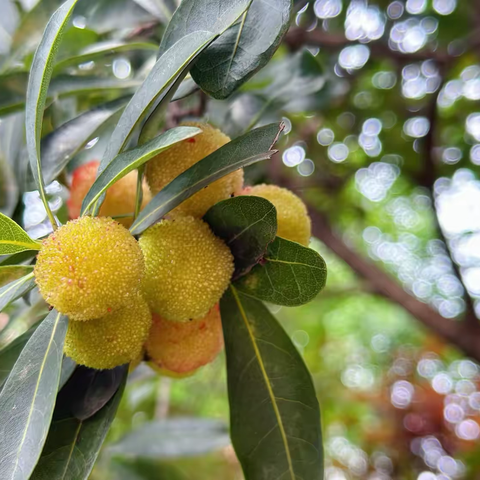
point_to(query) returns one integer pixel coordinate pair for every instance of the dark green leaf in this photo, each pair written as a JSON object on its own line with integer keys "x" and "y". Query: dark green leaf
{"x": 28, "y": 398}
{"x": 186, "y": 88}
{"x": 13, "y": 239}
{"x": 213, "y": 16}
{"x": 132, "y": 159}
{"x": 173, "y": 438}
{"x": 60, "y": 146}
{"x": 68, "y": 367}
{"x": 274, "y": 412}
{"x": 247, "y": 224}
{"x": 73, "y": 445}
{"x": 250, "y": 148}
{"x": 290, "y": 274}
{"x": 9, "y": 355}
{"x": 37, "y": 91}
{"x": 89, "y": 390}
{"x": 8, "y": 273}
{"x": 17, "y": 258}
{"x": 243, "y": 49}
{"x": 16, "y": 289}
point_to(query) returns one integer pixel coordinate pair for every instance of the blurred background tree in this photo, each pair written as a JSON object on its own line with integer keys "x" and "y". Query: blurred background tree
{"x": 380, "y": 102}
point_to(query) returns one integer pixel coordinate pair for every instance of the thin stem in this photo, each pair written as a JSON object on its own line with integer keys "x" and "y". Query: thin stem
{"x": 139, "y": 195}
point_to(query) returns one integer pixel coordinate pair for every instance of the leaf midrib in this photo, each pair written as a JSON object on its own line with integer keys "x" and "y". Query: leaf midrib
{"x": 267, "y": 381}
{"x": 30, "y": 246}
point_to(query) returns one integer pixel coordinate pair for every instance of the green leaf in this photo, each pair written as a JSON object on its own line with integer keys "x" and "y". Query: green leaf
{"x": 129, "y": 161}
{"x": 68, "y": 367}
{"x": 9, "y": 273}
{"x": 290, "y": 274}
{"x": 16, "y": 258}
{"x": 8, "y": 188}
{"x": 28, "y": 398}
{"x": 91, "y": 389}
{"x": 102, "y": 50}
{"x": 172, "y": 438}
{"x": 243, "y": 49}
{"x": 37, "y": 91}
{"x": 274, "y": 412}
{"x": 73, "y": 445}
{"x": 247, "y": 224}
{"x": 16, "y": 289}
{"x": 13, "y": 239}
{"x": 250, "y": 148}
{"x": 214, "y": 16}
{"x": 9, "y": 355}
{"x": 61, "y": 146}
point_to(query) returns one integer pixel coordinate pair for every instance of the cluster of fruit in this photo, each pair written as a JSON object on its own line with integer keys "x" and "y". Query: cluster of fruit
{"x": 155, "y": 298}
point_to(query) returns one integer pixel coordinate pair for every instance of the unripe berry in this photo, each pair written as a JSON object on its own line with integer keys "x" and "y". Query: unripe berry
{"x": 89, "y": 268}
{"x": 293, "y": 222}
{"x": 119, "y": 199}
{"x": 166, "y": 166}
{"x": 110, "y": 341}
{"x": 187, "y": 268}
{"x": 182, "y": 347}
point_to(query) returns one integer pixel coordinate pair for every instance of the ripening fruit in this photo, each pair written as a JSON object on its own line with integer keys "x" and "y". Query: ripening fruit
{"x": 166, "y": 166}
{"x": 182, "y": 347}
{"x": 120, "y": 197}
{"x": 110, "y": 341}
{"x": 187, "y": 268}
{"x": 293, "y": 222}
{"x": 89, "y": 268}
{"x": 167, "y": 373}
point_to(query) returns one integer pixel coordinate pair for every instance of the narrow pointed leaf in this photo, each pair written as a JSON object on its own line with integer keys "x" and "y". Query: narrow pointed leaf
{"x": 245, "y": 150}
{"x": 274, "y": 412}
{"x": 9, "y": 273}
{"x": 73, "y": 445}
{"x": 37, "y": 91}
{"x": 129, "y": 161}
{"x": 28, "y": 398}
{"x": 61, "y": 146}
{"x": 243, "y": 49}
{"x": 16, "y": 289}
{"x": 247, "y": 224}
{"x": 13, "y": 239}
{"x": 289, "y": 274}
{"x": 68, "y": 367}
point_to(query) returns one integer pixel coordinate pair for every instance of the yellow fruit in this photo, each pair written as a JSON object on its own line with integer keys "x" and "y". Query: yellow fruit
{"x": 89, "y": 268}
{"x": 166, "y": 166}
{"x": 293, "y": 222}
{"x": 120, "y": 197}
{"x": 182, "y": 347}
{"x": 110, "y": 341}
{"x": 187, "y": 268}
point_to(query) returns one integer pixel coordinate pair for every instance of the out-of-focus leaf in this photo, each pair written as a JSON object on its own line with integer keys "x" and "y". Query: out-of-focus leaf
{"x": 161, "y": 9}
{"x": 30, "y": 392}
{"x": 102, "y": 50}
{"x": 73, "y": 445}
{"x": 60, "y": 146}
{"x": 9, "y": 355}
{"x": 289, "y": 274}
{"x": 37, "y": 91}
{"x": 243, "y": 49}
{"x": 247, "y": 224}
{"x": 16, "y": 258}
{"x": 132, "y": 159}
{"x": 8, "y": 188}
{"x": 274, "y": 412}
{"x": 16, "y": 289}
{"x": 250, "y": 148}
{"x": 173, "y": 438}
{"x": 13, "y": 239}
{"x": 9, "y": 273}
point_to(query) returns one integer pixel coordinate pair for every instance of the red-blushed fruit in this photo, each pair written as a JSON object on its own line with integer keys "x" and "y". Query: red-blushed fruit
{"x": 119, "y": 199}
{"x": 293, "y": 222}
{"x": 89, "y": 267}
{"x": 113, "y": 340}
{"x": 166, "y": 166}
{"x": 183, "y": 347}
{"x": 187, "y": 268}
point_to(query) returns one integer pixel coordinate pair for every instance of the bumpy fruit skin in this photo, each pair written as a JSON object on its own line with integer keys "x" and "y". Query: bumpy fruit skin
{"x": 166, "y": 166}
{"x": 89, "y": 268}
{"x": 187, "y": 268}
{"x": 183, "y": 347}
{"x": 293, "y": 222}
{"x": 110, "y": 341}
{"x": 120, "y": 197}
